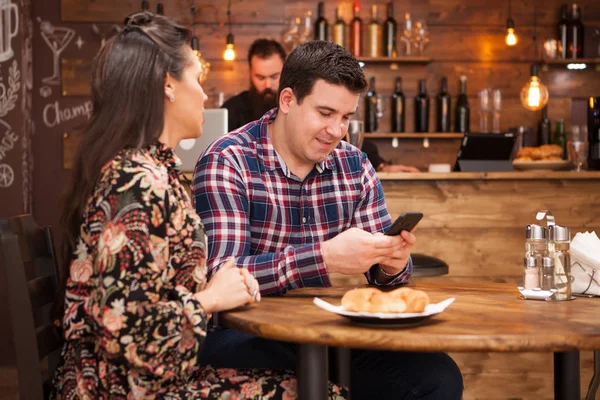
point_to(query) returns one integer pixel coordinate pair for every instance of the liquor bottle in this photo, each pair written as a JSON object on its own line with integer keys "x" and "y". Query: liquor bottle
{"x": 321, "y": 26}
{"x": 575, "y": 34}
{"x": 398, "y": 108}
{"x": 562, "y": 29}
{"x": 422, "y": 109}
{"x": 544, "y": 128}
{"x": 356, "y": 32}
{"x": 339, "y": 29}
{"x": 560, "y": 138}
{"x": 374, "y": 35}
{"x": 443, "y": 108}
{"x": 371, "y": 122}
{"x": 390, "y": 28}
{"x": 160, "y": 10}
{"x": 461, "y": 117}
{"x": 145, "y": 5}
{"x": 593, "y": 114}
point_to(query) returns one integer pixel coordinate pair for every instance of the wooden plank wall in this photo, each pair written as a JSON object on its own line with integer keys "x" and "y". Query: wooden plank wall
{"x": 467, "y": 222}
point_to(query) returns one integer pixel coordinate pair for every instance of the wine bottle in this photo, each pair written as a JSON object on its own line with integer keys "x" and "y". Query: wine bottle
{"x": 544, "y": 128}
{"x": 160, "y": 10}
{"x": 422, "y": 108}
{"x": 371, "y": 123}
{"x": 575, "y": 34}
{"x": 339, "y": 29}
{"x": 461, "y": 118}
{"x": 374, "y": 35}
{"x": 562, "y": 29}
{"x": 593, "y": 114}
{"x": 145, "y": 5}
{"x": 398, "y": 109}
{"x": 443, "y": 108}
{"x": 560, "y": 138}
{"x": 356, "y": 32}
{"x": 321, "y": 26}
{"x": 389, "y": 33}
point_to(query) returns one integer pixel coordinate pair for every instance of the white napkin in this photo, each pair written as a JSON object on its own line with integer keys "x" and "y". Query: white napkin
{"x": 585, "y": 261}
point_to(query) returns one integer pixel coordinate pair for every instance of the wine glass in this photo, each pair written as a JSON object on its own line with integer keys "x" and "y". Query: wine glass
{"x": 421, "y": 35}
{"x": 290, "y": 35}
{"x": 496, "y": 109}
{"x": 407, "y": 34}
{"x": 485, "y": 107}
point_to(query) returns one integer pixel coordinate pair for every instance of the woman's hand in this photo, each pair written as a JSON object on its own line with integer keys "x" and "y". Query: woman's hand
{"x": 229, "y": 288}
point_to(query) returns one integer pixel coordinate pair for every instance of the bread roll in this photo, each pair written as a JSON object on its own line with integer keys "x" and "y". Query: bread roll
{"x": 396, "y": 301}
{"x": 383, "y": 302}
{"x": 358, "y": 299}
{"x": 416, "y": 300}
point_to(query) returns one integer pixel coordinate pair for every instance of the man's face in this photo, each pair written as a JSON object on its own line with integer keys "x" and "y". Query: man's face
{"x": 315, "y": 127}
{"x": 264, "y": 75}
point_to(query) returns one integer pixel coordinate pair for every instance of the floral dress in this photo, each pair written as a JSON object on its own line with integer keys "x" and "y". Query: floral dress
{"x": 132, "y": 326}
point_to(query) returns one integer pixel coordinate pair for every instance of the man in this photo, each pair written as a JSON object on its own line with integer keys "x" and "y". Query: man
{"x": 293, "y": 203}
{"x": 265, "y": 60}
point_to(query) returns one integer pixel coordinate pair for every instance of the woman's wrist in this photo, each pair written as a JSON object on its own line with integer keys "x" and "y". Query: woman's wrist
{"x": 206, "y": 300}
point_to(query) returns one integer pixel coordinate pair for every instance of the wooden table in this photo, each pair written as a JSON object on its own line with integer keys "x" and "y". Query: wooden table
{"x": 486, "y": 317}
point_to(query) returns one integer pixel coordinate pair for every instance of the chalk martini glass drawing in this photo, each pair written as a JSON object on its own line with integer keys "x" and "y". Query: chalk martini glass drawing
{"x": 57, "y": 38}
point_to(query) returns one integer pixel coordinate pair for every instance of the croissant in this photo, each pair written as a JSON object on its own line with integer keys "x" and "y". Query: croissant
{"x": 396, "y": 301}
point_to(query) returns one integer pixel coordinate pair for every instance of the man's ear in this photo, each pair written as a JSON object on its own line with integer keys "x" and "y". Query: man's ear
{"x": 286, "y": 100}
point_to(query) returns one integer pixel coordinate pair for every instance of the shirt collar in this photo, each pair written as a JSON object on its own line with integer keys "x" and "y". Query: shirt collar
{"x": 269, "y": 156}
{"x": 165, "y": 155}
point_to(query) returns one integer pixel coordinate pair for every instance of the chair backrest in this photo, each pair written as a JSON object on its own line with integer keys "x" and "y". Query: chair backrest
{"x": 31, "y": 270}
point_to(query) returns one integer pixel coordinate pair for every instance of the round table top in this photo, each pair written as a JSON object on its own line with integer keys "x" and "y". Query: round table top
{"x": 484, "y": 317}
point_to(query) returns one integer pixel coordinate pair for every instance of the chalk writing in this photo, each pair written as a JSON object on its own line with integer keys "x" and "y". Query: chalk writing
{"x": 54, "y": 115}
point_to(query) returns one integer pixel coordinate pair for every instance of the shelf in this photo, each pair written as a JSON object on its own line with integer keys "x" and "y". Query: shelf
{"x": 393, "y": 60}
{"x": 428, "y": 135}
{"x": 592, "y": 63}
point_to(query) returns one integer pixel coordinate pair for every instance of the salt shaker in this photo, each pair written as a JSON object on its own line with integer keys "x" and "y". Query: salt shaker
{"x": 558, "y": 248}
{"x": 531, "y": 274}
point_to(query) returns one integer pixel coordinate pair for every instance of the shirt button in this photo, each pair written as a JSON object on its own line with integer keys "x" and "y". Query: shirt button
{"x": 303, "y": 220}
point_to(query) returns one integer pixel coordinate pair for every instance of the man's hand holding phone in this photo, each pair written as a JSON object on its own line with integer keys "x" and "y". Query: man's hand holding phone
{"x": 401, "y": 232}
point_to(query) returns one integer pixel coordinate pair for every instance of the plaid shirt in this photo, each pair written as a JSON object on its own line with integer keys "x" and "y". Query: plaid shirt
{"x": 255, "y": 209}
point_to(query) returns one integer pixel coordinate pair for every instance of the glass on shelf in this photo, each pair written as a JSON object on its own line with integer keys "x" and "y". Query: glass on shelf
{"x": 407, "y": 34}
{"x": 420, "y": 36}
{"x": 496, "y": 110}
{"x": 290, "y": 36}
{"x": 305, "y": 34}
{"x": 485, "y": 107}
{"x": 577, "y": 148}
{"x": 552, "y": 49}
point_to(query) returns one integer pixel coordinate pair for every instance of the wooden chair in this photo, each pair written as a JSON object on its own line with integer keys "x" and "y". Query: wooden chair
{"x": 29, "y": 260}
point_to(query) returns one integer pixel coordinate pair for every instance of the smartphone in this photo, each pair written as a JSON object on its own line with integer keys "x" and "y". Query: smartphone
{"x": 405, "y": 222}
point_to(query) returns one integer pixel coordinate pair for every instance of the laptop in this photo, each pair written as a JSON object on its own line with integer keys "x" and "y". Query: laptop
{"x": 485, "y": 152}
{"x": 189, "y": 150}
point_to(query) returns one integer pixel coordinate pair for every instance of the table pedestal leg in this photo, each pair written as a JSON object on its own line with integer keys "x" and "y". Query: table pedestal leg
{"x": 566, "y": 375}
{"x": 312, "y": 371}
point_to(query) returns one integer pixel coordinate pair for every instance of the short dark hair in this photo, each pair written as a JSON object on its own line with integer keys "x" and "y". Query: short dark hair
{"x": 265, "y": 48}
{"x": 320, "y": 59}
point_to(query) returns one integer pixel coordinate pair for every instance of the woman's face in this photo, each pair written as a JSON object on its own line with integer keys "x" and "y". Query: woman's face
{"x": 188, "y": 108}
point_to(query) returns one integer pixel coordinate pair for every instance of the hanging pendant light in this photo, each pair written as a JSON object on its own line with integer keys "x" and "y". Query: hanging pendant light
{"x": 204, "y": 65}
{"x": 534, "y": 95}
{"x": 511, "y": 37}
{"x": 229, "y": 54}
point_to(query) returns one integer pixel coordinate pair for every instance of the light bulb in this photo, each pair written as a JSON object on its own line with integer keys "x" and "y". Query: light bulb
{"x": 511, "y": 37}
{"x": 534, "y": 95}
{"x": 229, "y": 53}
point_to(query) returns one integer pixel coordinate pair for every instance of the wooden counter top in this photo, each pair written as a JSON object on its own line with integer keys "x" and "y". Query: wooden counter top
{"x": 517, "y": 175}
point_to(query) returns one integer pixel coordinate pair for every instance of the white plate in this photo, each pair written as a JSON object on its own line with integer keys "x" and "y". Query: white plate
{"x": 542, "y": 165}
{"x": 396, "y": 320}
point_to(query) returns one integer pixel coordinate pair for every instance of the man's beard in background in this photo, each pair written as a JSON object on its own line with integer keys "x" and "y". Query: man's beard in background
{"x": 261, "y": 102}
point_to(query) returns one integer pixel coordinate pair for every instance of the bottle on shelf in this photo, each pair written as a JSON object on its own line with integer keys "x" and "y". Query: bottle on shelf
{"x": 160, "y": 9}
{"x": 593, "y": 124}
{"x": 575, "y": 34}
{"x": 462, "y": 113}
{"x": 373, "y": 35}
{"x": 443, "y": 102}
{"x": 321, "y": 25}
{"x": 339, "y": 29}
{"x": 560, "y": 137}
{"x": 422, "y": 108}
{"x": 398, "y": 108}
{"x": 145, "y": 5}
{"x": 371, "y": 122}
{"x": 544, "y": 128}
{"x": 390, "y": 28}
{"x": 562, "y": 29}
{"x": 305, "y": 33}
{"x": 356, "y": 32}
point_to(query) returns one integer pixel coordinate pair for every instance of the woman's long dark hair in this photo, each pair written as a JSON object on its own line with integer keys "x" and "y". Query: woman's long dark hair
{"x": 128, "y": 79}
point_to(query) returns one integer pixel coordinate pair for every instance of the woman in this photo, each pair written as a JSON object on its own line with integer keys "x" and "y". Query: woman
{"x": 137, "y": 303}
